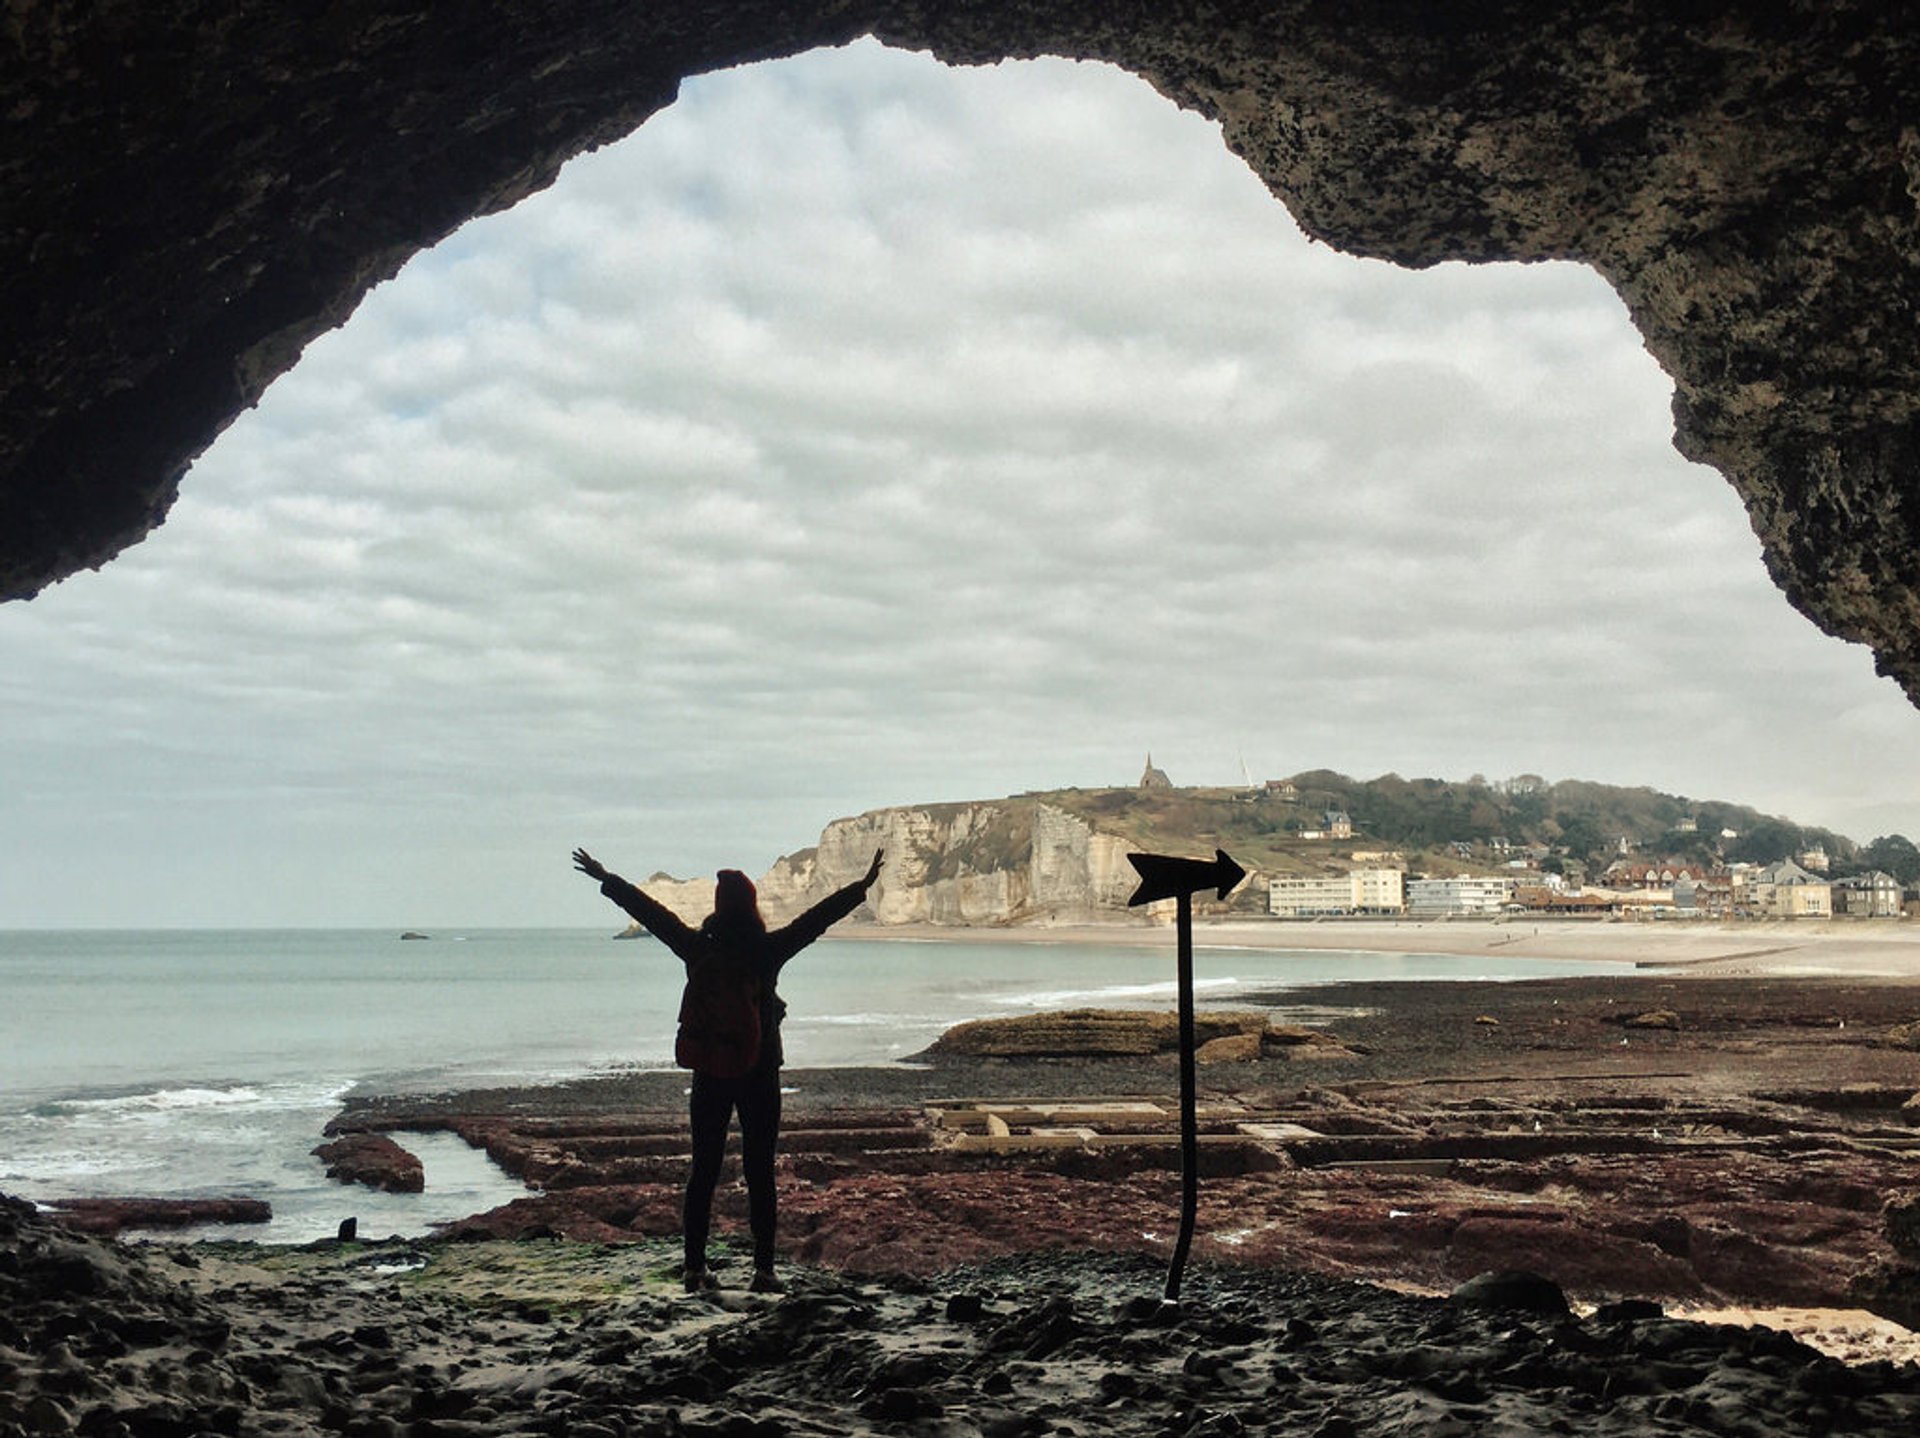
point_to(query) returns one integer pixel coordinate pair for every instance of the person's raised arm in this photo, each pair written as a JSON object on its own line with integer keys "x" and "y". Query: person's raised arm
{"x": 795, "y": 936}
{"x": 660, "y": 921}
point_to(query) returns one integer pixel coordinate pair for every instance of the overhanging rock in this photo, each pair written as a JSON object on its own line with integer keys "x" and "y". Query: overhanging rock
{"x": 194, "y": 191}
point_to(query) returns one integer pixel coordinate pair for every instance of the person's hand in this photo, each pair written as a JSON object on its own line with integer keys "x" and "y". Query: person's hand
{"x": 873, "y": 870}
{"x": 588, "y": 865}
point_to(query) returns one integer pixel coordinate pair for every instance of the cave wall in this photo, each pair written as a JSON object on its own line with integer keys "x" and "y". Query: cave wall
{"x": 194, "y": 191}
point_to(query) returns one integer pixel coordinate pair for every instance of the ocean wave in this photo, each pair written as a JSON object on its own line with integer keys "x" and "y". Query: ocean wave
{"x": 864, "y": 1021}
{"x": 1111, "y": 993}
{"x": 65, "y": 1166}
{"x": 190, "y": 1099}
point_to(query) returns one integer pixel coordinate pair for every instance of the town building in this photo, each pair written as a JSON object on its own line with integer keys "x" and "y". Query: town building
{"x": 1787, "y": 891}
{"x": 1876, "y": 895}
{"x": 1711, "y": 897}
{"x": 1379, "y": 891}
{"x": 1634, "y": 874}
{"x": 1444, "y": 898}
{"x": 1153, "y": 778}
{"x": 1306, "y": 898}
{"x": 1359, "y": 891}
{"x": 1546, "y": 899}
{"x": 1338, "y": 825}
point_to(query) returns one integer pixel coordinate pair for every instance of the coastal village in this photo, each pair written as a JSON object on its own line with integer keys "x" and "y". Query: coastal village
{"x": 1789, "y": 889}
{"x": 1496, "y": 877}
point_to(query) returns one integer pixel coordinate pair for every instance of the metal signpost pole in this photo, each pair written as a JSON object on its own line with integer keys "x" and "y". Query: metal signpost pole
{"x": 1163, "y": 876}
{"x": 1189, "y": 1118}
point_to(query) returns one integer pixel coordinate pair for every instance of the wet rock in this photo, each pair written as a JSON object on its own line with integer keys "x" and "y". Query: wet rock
{"x": 372, "y": 1159}
{"x": 1036, "y": 1332}
{"x": 1220, "y": 1036}
{"x": 1088, "y": 1033}
{"x": 45, "y": 1414}
{"x": 1654, "y": 1019}
{"x": 1229, "y": 1049}
{"x": 1891, "y": 1288}
{"x": 1904, "y": 1036}
{"x": 108, "y": 1216}
{"x": 1901, "y": 1217}
{"x": 1511, "y": 1290}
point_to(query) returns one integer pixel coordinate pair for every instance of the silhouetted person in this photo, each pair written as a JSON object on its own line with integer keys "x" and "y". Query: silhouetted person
{"x": 732, "y": 960}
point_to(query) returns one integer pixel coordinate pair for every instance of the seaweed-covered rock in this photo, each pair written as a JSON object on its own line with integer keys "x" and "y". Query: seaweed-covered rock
{"x": 372, "y": 1159}
{"x": 110, "y": 1216}
{"x": 1222, "y": 1035}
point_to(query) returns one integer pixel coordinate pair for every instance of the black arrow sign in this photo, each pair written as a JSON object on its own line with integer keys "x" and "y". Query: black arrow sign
{"x": 1162, "y": 876}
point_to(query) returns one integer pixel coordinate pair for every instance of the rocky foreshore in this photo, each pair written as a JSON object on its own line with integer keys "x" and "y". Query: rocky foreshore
{"x": 975, "y": 1241}
{"x": 443, "y": 1340}
{"x": 1701, "y": 1141}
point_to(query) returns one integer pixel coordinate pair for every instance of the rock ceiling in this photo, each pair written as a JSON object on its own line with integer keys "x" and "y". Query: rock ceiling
{"x": 193, "y": 191}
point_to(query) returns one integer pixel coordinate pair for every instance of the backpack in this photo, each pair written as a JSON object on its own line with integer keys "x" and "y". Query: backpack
{"x": 719, "y": 1018}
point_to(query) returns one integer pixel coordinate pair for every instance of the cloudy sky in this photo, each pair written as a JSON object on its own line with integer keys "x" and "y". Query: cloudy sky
{"x": 866, "y": 432}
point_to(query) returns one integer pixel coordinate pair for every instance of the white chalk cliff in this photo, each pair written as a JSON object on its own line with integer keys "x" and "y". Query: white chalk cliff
{"x": 1008, "y": 861}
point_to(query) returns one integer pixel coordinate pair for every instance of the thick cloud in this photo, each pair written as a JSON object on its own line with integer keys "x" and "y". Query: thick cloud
{"x": 863, "y": 432}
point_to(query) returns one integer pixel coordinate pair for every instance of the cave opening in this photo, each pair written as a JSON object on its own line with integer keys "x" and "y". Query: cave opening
{"x": 864, "y": 430}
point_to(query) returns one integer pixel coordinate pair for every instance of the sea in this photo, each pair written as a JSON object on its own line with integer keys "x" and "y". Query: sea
{"x": 206, "y": 1063}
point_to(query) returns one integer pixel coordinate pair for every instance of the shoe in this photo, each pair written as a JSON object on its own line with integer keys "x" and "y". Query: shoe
{"x": 765, "y": 1280}
{"x": 698, "y": 1280}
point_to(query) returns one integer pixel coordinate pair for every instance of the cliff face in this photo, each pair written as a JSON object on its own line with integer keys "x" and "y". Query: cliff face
{"x": 1007, "y": 862}
{"x": 1077, "y": 870}
{"x": 1010, "y": 861}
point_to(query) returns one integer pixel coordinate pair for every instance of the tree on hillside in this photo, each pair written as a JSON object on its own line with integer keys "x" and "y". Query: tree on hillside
{"x": 1895, "y": 853}
{"x": 1529, "y": 808}
{"x": 1580, "y": 836}
{"x": 1690, "y": 845}
{"x": 1767, "y": 841}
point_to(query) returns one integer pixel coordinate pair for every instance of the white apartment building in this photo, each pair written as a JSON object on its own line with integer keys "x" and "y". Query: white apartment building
{"x": 1360, "y": 891}
{"x": 1443, "y": 898}
{"x": 1379, "y": 891}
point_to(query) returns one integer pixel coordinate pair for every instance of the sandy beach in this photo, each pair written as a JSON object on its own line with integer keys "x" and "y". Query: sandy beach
{"x": 1863, "y": 948}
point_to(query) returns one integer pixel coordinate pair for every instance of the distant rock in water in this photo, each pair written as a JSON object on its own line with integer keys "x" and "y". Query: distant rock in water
{"x": 410, "y": 934}
{"x": 1221, "y": 1036}
{"x": 635, "y": 930}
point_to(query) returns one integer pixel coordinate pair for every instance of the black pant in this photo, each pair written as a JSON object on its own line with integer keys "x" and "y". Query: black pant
{"x": 711, "y": 1107}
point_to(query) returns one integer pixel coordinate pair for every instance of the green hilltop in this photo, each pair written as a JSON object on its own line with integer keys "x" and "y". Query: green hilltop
{"x": 1444, "y": 826}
